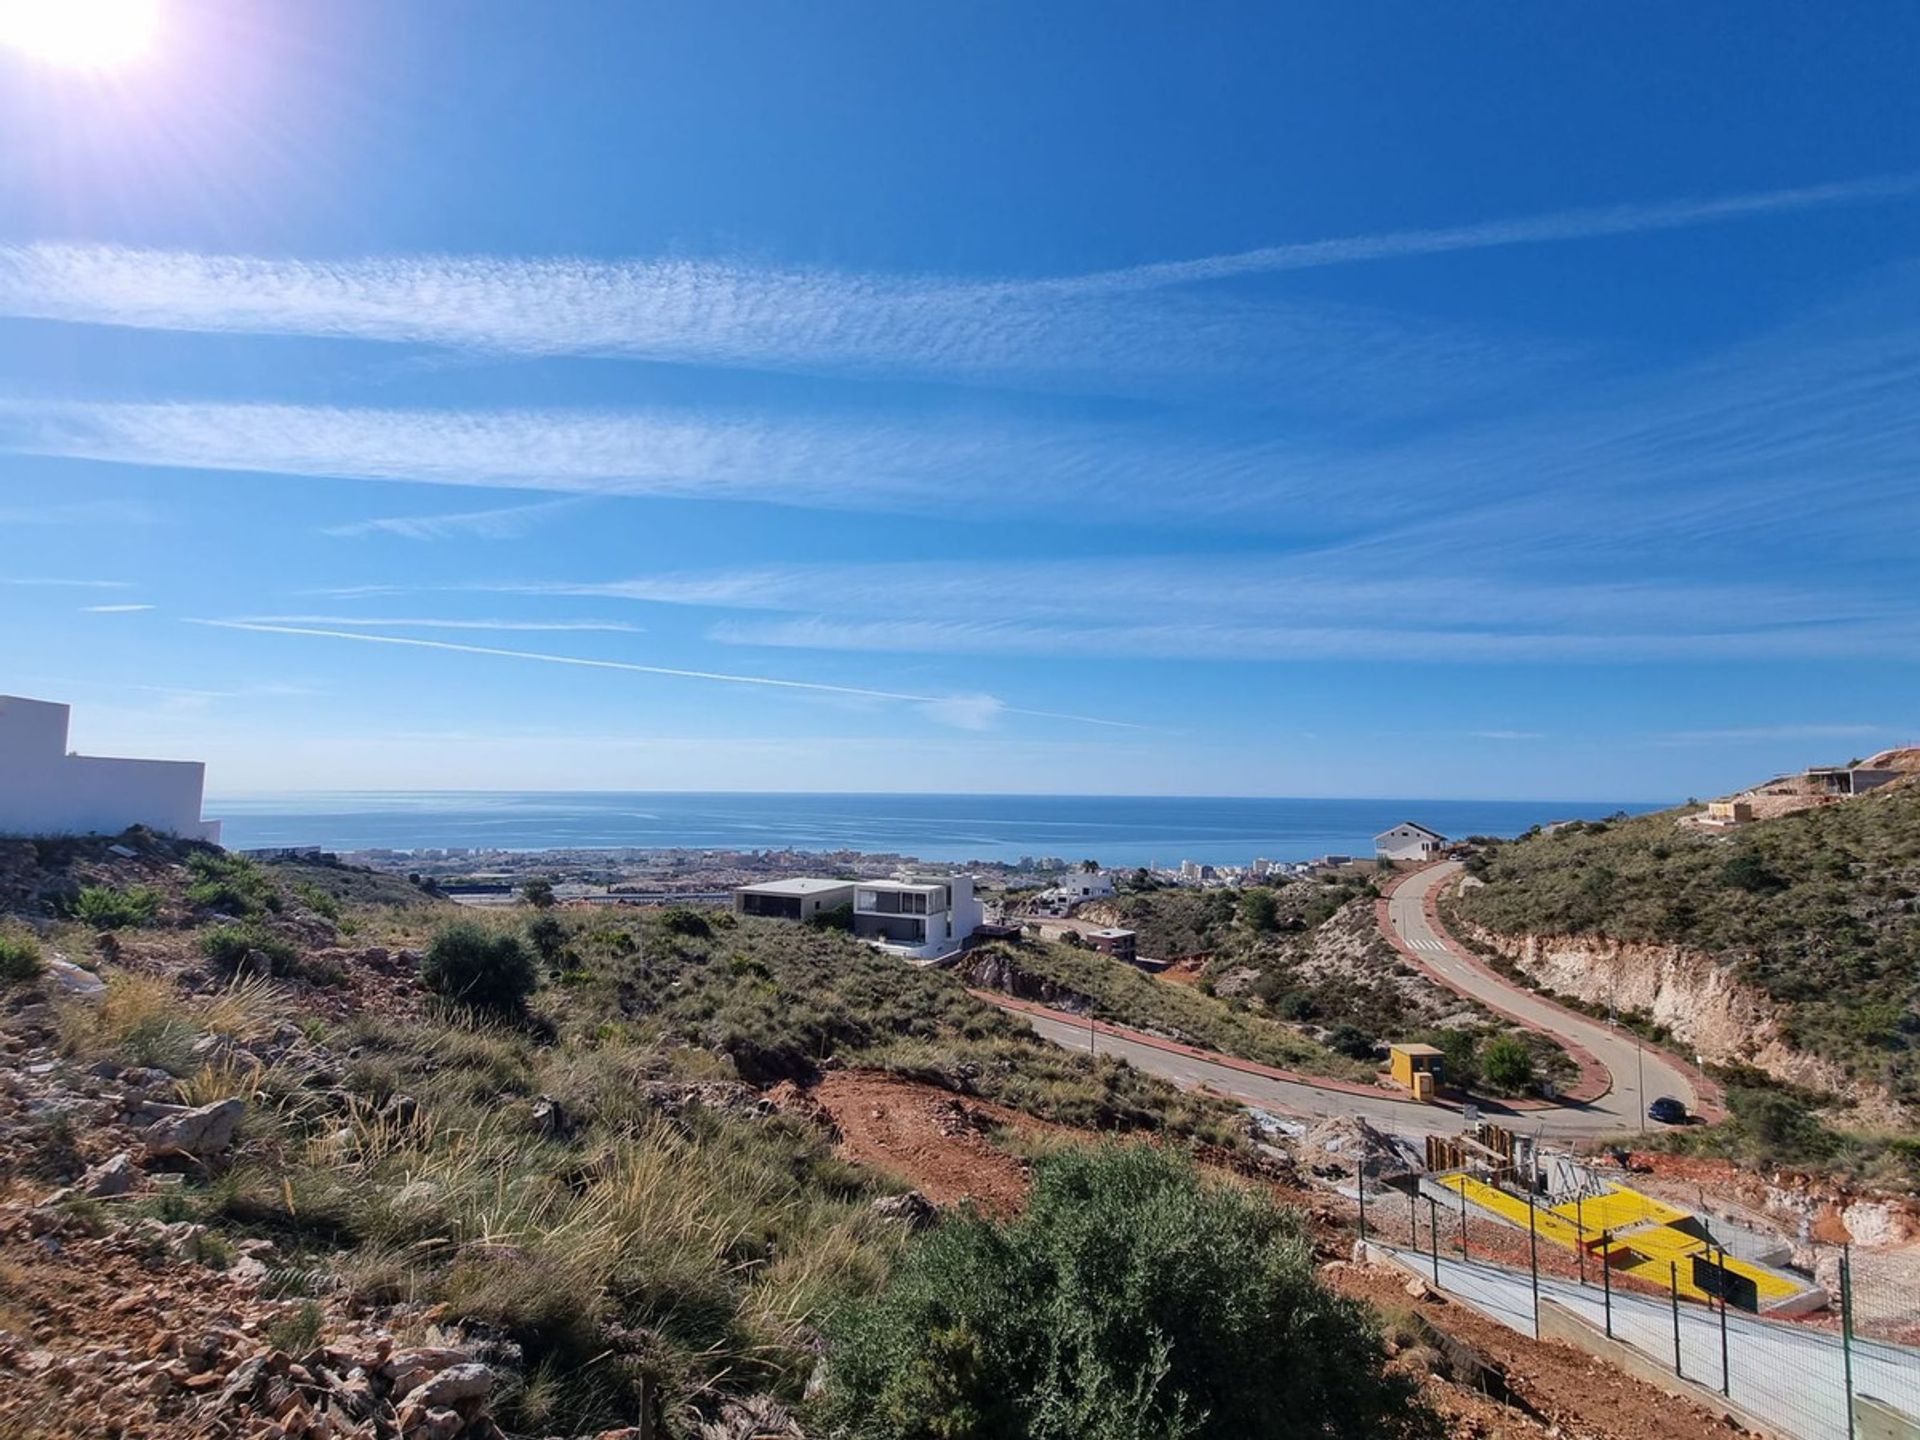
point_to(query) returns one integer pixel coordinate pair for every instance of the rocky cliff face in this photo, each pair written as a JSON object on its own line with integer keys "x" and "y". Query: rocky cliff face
{"x": 1700, "y": 1000}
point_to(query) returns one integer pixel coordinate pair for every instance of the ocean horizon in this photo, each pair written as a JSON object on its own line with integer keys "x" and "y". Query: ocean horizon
{"x": 1115, "y": 830}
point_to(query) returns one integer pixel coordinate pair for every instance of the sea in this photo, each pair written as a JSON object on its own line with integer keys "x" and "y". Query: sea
{"x": 1115, "y": 830}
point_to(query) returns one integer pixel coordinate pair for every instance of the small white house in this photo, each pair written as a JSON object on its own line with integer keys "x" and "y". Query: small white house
{"x": 44, "y": 790}
{"x": 1078, "y": 885}
{"x": 1409, "y": 841}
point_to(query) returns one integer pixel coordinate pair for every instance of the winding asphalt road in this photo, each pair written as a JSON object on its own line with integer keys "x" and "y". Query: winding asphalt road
{"x": 1637, "y": 1075}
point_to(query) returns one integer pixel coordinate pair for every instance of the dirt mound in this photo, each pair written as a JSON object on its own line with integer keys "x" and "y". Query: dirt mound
{"x": 1903, "y": 757}
{"x": 1340, "y": 1143}
{"x": 934, "y": 1140}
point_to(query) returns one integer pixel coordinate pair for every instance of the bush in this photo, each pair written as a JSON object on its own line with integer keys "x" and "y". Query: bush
{"x": 1131, "y": 1300}
{"x": 538, "y": 893}
{"x": 679, "y": 920}
{"x": 19, "y": 958}
{"x": 1506, "y": 1064}
{"x": 105, "y": 908}
{"x": 1259, "y": 910}
{"x": 228, "y": 946}
{"x": 232, "y": 884}
{"x": 548, "y": 937}
{"x": 478, "y": 968}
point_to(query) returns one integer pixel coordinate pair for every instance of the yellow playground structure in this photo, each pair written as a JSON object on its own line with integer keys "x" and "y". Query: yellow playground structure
{"x": 1637, "y": 1235}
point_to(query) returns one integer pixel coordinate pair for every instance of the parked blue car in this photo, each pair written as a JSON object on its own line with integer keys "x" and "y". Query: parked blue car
{"x": 1668, "y": 1111}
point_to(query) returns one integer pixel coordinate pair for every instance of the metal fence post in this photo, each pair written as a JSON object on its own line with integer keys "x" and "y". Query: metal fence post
{"x": 1533, "y": 1262}
{"x": 1580, "y": 1221}
{"x": 1846, "y": 1327}
{"x": 1463, "y": 1217}
{"x": 1413, "y": 1210}
{"x": 1606, "y": 1275}
{"x": 1433, "y": 1235}
{"x": 1673, "y": 1284}
{"x": 1363, "y": 1201}
{"x": 1726, "y": 1381}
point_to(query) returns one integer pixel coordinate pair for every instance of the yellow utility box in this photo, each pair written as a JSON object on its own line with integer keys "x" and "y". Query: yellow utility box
{"x": 1417, "y": 1069}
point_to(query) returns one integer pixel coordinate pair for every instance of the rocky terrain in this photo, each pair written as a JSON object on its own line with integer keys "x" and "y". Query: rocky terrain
{"x": 260, "y": 1177}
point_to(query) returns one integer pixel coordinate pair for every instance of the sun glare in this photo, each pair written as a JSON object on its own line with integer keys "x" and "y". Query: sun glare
{"x": 80, "y": 34}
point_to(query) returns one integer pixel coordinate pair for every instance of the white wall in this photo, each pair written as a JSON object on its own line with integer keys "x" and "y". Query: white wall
{"x": 46, "y": 791}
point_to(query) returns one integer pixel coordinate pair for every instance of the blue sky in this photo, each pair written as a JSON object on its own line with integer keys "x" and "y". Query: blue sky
{"x": 1286, "y": 400}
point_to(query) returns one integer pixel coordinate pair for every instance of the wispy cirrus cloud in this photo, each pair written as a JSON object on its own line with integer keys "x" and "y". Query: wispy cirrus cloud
{"x": 1382, "y": 640}
{"x": 38, "y": 582}
{"x": 423, "y": 622}
{"x": 1117, "y": 326}
{"x": 508, "y": 522}
{"x": 1738, "y": 734}
{"x": 965, "y": 710}
{"x": 113, "y": 609}
{"x": 1592, "y": 223}
{"x": 1297, "y": 607}
{"x": 831, "y": 462}
{"x": 1108, "y": 339}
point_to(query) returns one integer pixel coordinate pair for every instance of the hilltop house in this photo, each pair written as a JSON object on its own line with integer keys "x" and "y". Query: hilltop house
{"x": 920, "y": 918}
{"x": 1409, "y": 841}
{"x": 45, "y": 790}
{"x": 798, "y": 899}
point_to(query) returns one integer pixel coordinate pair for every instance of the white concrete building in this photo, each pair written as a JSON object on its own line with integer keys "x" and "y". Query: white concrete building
{"x": 922, "y": 919}
{"x": 1078, "y": 885}
{"x": 45, "y": 790}
{"x": 1408, "y": 841}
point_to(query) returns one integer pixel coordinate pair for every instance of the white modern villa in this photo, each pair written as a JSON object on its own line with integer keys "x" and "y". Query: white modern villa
{"x": 46, "y": 790}
{"x": 917, "y": 917}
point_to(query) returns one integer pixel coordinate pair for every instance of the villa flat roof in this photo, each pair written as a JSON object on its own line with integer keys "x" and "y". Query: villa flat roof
{"x": 899, "y": 885}
{"x": 799, "y": 885}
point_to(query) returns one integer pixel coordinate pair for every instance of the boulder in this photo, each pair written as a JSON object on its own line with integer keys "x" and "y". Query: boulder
{"x": 460, "y": 1387}
{"x": 199, "y": 1133}
{"x": 110, "y": 1177}
{"x": 912, "y": 1209}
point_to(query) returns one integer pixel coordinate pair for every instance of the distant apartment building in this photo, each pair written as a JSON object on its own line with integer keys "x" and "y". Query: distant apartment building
{"x": 46, "y": 790}
{"x": 797, "y": 899}
{"x": 1120, "y": 944}
{"x": 1409, "y": 841}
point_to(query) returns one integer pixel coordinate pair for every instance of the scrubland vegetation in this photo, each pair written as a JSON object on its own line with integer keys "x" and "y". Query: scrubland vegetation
{"x": 554, "y": 1128}
{"x": 1819, "y": 909}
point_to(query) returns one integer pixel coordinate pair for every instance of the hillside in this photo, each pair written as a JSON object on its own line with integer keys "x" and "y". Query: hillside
{"x": 241, "y": 1092}
{"x": 1296, "y": 975}
{"x": 1815, "y": 915}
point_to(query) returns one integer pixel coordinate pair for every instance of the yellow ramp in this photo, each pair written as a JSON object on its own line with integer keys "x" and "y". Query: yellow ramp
{"x": 1619, "y": 1208}
{"x": 1546, "y": 1223}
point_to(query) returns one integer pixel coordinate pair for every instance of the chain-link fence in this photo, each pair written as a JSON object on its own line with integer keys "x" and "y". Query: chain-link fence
{"x": 1818, "y": 1341}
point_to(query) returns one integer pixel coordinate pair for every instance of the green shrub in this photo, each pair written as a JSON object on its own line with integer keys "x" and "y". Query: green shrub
{"x": 548, "y": 937}
{"x": 105, "y": 908}
{"x": 538, "y": 893}
{"x": 679, "y": 920}
{"x": 1259, "y": 910}
{"x": 19, "y": 958}
{"x": 1130, "y": 1301}
{"x": 231, "y": 884}
{"x": 228, "y": 946}
{"x": 1507, "y": 1065}
{"x": 476, "y": 967}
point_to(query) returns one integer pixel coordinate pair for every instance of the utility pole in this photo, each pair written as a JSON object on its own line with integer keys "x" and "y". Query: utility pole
{"x": 1640, "y": 1081}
